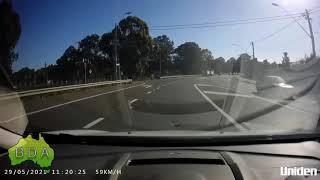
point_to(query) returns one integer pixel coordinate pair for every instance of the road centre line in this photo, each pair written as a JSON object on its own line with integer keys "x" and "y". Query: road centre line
{"x": 149, "y": 92}
{"x": 93, "y": 123}
{"x": 69, "y": 102}
{"x": 227, "y": 116}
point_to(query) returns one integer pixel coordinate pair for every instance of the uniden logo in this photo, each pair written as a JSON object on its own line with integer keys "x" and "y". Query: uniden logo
{"x": 298, "y": 171}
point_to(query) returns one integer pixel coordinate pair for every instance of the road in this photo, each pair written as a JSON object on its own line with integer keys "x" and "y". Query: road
{"x": 189, "y": 103}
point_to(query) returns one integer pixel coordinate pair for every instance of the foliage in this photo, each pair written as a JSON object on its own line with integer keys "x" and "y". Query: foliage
{"x": 135, "y": 45}
{"x": 9, "y": 35}
{"x": 188, "y": 58}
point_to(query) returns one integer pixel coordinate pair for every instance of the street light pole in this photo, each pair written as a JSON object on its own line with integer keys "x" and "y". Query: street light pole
{"x": 252, "y": 44}
{"x": 160, "y": 65}
{"x": 238, "y": 46}
{"x": 310, "y": 35}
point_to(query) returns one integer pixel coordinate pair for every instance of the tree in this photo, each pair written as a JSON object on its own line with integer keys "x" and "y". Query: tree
{"x": 230, "y": 65}
{"x": 106, "y": 45}
{"x": 162, "y": 50}
{"x": 135, "y": 45}
{"x": 89, "y": 48}
{"x": 9, "y": 35}
{"x": 188, "y": 58}
{"x": 274, "y": 64}
{"x": 24, "y": 75}
{"x": 207, "y": 62}
{"x": 265, "y": 62}
{"x": 69, "y": 64}
{"x": 219, "y": 65}
{"x": 242, "y": 63}
{"x": 285, "y": 60}
{"x": 95, "y": 54}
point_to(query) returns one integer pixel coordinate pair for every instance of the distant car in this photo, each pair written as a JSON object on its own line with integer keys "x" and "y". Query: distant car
{"x": 208, "y": 73}
{"x": 271, "y": 81}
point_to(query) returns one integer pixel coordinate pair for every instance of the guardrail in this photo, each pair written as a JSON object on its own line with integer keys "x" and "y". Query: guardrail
{"x": 59, "y": 89}
{"x": 303, "y": 67}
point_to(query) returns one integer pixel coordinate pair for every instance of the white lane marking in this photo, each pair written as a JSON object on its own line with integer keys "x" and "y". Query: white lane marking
{"x": 93, "y": 123}
{"x": 257, "y": 97}
{"x": 122, "y": 162}
{"x": 69, "y": 102}
{"x": 272, "y": 101}
{"x": 228, "y": 94}
{"x": 222, "y": 87}
{"x": 210, "y": 85}
{"x": 204, "y": 85}
{"x": 149, "y": 92}
{"x": 227, "y": 116}
{"x": 147, "y": 86}
{"x": 132, "y": 102}
{"x": 282, "y": 105}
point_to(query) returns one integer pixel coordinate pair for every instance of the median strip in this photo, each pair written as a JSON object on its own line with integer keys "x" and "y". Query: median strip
{"x": 59, "y": 89}
{"x": 69, "y": 102}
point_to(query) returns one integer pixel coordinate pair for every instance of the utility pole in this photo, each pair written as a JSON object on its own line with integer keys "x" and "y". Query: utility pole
{"x": 160, "y": 66}
{"x": 85, "y": 70}
{"x": 310, "y": 26}
{"x": 115, "y": 44}
{"x": 311, "y": 34}
{"x": 252, "y": 44}
{"x": 46, "y": 71}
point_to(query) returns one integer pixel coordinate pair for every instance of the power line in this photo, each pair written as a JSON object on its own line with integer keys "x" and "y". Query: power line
{"x": 222, "y": 22}
{"x": 220, "y": 25}
{"x": 314, "y": 9}
{"x": 276, "y": 32}
{"x": 230, "y": 22}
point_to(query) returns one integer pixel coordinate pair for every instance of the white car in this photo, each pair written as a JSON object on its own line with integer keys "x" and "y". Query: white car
{"x": 210, "y": 73}
{"x": 272, "y": 81}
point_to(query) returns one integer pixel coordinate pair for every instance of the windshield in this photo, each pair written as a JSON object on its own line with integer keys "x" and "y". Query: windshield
{"x": 165, "y": 66}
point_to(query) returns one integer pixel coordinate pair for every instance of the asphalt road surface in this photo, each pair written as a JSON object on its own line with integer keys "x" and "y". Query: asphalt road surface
{"x": 189, "y": 103}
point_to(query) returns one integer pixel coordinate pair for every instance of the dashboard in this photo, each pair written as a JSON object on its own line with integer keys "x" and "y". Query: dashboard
{"x": 252, "y": 162}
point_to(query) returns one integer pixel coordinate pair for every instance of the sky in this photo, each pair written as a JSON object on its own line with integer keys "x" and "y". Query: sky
{"x": 50, "y": 26}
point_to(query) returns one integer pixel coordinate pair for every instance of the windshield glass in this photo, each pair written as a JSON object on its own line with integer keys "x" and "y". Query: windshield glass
{"x": 215, "y": 66}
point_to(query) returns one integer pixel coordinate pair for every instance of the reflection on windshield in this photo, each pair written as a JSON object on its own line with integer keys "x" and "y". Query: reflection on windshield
{"x": 151, "y": 73}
